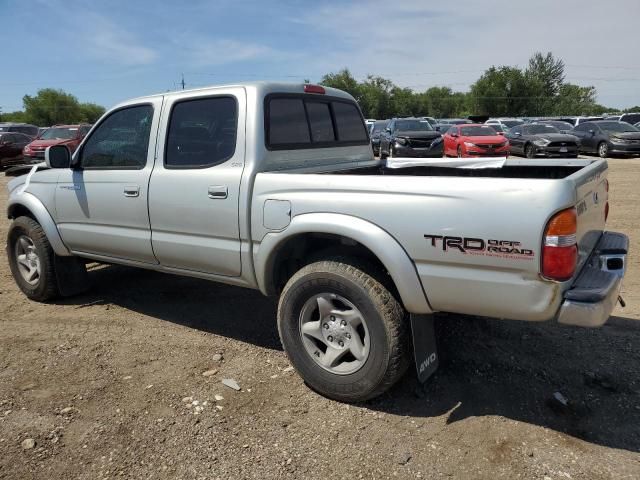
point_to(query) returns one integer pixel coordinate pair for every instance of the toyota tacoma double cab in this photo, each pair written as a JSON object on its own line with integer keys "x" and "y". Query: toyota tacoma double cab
{"x": 275, "y": 187}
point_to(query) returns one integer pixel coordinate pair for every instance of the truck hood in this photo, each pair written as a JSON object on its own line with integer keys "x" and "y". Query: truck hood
{"x": 42, "y": 144}
{"x": 556, "y": 137}
{"x": 418, "y": 135}
{"x": 484, "y": 140}
{"x": 626, "y": 135}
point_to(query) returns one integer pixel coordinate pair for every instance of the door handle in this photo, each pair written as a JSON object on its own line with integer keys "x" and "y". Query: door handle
{"x": 216, "y": 192}
{"x": 131, "y": 191}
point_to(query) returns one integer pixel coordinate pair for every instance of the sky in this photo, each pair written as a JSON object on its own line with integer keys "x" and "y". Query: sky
{"x": 107, "y": 51}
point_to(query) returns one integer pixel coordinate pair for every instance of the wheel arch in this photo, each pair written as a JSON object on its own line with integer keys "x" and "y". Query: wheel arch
{"x": 28, "y": 205}
{"x": 355, "y": 235}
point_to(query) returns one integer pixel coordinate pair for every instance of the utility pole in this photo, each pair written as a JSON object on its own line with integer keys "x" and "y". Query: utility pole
{"x": 182, "y": 82}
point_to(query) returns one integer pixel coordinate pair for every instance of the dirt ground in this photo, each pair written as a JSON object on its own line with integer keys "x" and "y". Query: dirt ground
{"x": 110, "y": 384}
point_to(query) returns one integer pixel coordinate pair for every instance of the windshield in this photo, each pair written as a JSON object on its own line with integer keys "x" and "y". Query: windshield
{"x": 512, "y": 123}
{"x": 535, "y": 129}
{"x": 560, "y": 125}
{"x": 484, "y": 131}
{"x": 413, "y": 126}
{"x": 379, "y": 126}
{"x": 617, "y": 127}
{"x": 59, "y": 134}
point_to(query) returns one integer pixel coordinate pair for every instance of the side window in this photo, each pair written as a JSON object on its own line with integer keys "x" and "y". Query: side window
{"x": 583, "y": 127}
{"x": 517, "y": 130}
{"x": 121, "y": 141}
{"x": 320, "y": 122}
{"x": 202, "y": 132}
{"x": 349, "y": 122}
{"x": 287, "y": 122}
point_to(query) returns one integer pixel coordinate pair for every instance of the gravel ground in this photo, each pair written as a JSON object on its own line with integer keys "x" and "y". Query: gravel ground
{"x": 126, "y": 381}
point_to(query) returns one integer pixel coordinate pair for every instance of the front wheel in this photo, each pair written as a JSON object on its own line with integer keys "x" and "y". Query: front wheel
{"x": 529, "y": 151}
{"x": 31, "y": 259}
{"x": 603, "y": 150}
{"x": 344, "y": 332}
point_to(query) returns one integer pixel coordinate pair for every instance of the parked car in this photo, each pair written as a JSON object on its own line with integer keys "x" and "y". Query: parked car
{"x": 561, "y": 126}
{"x": 575, "y": 121}
{"x": 454, "y": 121}
{"x": 540, "y": 140}
{"x": 69, "y": 135}
{"x": 11, "y": 145}
{"x": 632, "y": 117}
{"x": 410, "y": 137}
{"x": 431, "y": 120}
{"x": 506, "y": 122}
{"x": 41, "y": 130}
{"x": 275, "y": 187}
{"x": 606, "y": 137}
{"x": 375, "y": 130}
{"x": 500, "y": 129}
{"x": 442, "y": 127}
{"x": 476, "y": 140}
{"x": 26, "y": 128}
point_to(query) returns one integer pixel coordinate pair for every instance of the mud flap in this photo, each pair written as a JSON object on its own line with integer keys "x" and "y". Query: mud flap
{"x": 424, "y": 346}
{"x": 71, "y": 273}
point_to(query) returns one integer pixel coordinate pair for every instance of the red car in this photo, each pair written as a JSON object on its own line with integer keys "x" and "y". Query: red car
{"x": 69, "y": 135}
{"x": 474, "y": 140}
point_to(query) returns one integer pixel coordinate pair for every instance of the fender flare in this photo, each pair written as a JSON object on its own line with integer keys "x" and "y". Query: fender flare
{"x": 381, "y": 243}
{"x": 42, "y": 216}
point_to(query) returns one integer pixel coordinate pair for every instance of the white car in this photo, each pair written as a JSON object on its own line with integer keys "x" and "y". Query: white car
{"x": 505, "y": 122}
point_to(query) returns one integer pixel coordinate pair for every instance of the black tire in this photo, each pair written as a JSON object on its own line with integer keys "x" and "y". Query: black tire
{"x": 46, "y": 288}
{"x": 603, "y": 150}
{"x": 529, "y": 151}
{"x": 383, "y": 156}
{"x": 389, "y": 351}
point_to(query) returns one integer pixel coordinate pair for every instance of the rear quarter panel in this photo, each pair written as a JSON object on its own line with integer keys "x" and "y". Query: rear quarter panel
{"x": 495, "y": 284}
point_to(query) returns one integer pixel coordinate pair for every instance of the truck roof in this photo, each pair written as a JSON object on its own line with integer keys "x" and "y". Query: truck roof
{"x": 262, "y": 88}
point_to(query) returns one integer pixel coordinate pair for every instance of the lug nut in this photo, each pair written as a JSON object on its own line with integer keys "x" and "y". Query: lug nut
{"x": 326, "y": 326}
{"x": 341, "y": 343}
{"x": 348, "y": 335}
{"x": 332, "y": 318}
{"x": 330, "y": 338}
{"x": 343, "y": 323}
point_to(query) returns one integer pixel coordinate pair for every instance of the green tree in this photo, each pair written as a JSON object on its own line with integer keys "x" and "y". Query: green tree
{"x": 344, "y": 81}
{"x": 502, "y": 91}
{"x": 545, "y": 76}
{"x": 51, "y": 106}
{"x": 90, "y": 112}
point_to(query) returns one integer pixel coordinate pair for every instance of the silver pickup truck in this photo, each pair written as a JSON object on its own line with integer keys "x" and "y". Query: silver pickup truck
{"x": 274, "y": 187}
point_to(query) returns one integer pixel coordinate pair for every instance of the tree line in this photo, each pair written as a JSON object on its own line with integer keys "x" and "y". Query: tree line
{"x": 538, "y": 90}
{"x": 50, "y": 107}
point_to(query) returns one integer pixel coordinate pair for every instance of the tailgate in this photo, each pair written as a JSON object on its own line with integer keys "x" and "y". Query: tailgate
{"x": 591, "y": 188}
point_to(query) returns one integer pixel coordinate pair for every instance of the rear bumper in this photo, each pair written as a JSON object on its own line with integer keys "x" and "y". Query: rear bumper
{"x": 594, "y": 294}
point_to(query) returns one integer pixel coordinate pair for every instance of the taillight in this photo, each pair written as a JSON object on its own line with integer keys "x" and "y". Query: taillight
{"x": 559, "y": 250}
{"x": 308, "y": 88}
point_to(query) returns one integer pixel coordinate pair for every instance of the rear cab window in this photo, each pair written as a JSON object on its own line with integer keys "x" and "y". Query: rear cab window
{"x": 304, "y": 121}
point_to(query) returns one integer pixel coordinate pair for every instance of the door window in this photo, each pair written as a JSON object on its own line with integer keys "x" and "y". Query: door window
{"x": 202, "y": 132}
{"x": 121, "y": 141}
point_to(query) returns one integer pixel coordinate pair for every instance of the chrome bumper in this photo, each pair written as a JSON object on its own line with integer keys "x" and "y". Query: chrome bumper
{"x": 594, "y": 294}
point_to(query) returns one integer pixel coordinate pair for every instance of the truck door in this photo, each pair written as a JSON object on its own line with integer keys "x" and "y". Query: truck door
{"x": 101, "y": 203}
{"x": 194, "y": 188}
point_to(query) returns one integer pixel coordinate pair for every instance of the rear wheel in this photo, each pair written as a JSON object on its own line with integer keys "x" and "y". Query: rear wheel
{"x": 529, "y": 151}
{"x": 603, "y": 150}
{"x": 31, "y": 260}
{"x": 343, "y": 331}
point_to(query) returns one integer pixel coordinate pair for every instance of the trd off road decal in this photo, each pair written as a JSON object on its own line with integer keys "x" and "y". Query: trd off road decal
{"x": 478, "y": 246}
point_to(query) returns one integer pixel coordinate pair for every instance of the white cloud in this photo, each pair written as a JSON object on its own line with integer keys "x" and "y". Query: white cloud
{"x": 104, "y": 40}
{"x": 202, "y": 52}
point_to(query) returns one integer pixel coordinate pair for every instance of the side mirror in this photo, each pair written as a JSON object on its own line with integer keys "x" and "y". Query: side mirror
{"x": 57, "y": 156}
